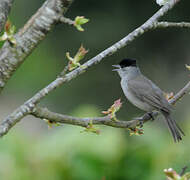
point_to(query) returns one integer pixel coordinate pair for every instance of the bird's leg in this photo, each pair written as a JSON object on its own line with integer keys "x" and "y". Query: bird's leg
{"x": 150, "y": 114}
{"x": 141, "y": 121}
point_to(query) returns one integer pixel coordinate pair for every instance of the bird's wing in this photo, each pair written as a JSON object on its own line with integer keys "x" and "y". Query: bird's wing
{"x": 149, "y": 93}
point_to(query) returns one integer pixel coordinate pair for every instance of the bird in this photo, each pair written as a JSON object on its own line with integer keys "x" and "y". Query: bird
{"x": 145, "y": 94}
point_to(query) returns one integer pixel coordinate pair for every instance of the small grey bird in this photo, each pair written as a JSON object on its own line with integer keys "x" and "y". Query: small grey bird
{"x": 144, "y": 94}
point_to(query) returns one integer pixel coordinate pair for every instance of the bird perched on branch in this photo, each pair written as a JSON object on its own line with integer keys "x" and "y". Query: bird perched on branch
{"x": 145, "y": 95}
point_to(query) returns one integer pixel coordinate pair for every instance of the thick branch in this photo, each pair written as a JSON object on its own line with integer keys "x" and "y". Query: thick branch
{"x": 5, "y": 7}
{"x": 28, "y": 106}
{"x": 34, "y": 31}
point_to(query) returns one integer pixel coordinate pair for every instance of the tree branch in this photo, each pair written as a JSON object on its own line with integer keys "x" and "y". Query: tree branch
{"x": 172, "y": 24}
{"x": 29, "y": 105}
{"x": 183, "y": 170}
{"x": 34, "y": 31}
{"x": 66, "y": 20}
{"x": 5, "y": 7}
{"x": 44, "y": 113}
{"x": 180, "y": 94}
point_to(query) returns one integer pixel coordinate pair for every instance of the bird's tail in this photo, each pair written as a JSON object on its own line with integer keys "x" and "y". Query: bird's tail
{"x": 174, "y": 128}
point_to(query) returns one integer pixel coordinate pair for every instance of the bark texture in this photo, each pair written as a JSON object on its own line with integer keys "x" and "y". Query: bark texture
{"x": 34, "y": 31}
{"x": 5, "y": 7}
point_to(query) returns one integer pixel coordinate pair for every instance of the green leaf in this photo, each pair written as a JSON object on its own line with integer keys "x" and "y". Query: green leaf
{"x": 113, "y": 109}
{"x": 187, "y": 66}
{"x": 90, "y": 128}
{"x": 74, "y": 62}
{"x": 186, "y": 176}
{"x": 80, "y": 20}
{"x": 12, "y": 29}
{"x": 9, "y": 33}
{"x": 12, "y": 40}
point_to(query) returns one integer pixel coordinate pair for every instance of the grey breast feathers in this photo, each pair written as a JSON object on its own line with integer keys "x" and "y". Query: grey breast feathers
{"x": 149, "y": 93}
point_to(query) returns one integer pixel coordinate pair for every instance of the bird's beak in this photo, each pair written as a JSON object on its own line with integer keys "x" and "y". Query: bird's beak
{"x": 116, "y": 66}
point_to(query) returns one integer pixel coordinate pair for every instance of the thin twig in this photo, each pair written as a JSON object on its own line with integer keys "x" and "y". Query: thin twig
{"x": 183, "y": 170}
{"x": 66, "y": 20}
{"x": 62, "y": 74}
{"x": 172, "y": 24}
{"x": 180, "y": 94}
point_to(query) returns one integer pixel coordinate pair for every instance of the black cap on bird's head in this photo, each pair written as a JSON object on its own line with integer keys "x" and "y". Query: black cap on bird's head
{"x": 125, "y": 63}
{"x": 128, "y": 63}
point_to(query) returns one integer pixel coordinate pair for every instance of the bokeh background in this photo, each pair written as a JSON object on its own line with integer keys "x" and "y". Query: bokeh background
{"x": 31, "y": 151}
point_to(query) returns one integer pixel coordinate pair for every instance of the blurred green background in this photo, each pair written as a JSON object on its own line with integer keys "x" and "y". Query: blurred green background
{"x": 31, "y": 151}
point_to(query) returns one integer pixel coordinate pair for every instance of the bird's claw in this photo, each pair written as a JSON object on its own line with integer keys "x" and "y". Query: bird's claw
{"x": 141, "y": 121}
{"x": 151, "y": 116}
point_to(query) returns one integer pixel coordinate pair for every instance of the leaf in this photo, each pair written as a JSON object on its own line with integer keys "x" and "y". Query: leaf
{"x": 74, "y": 62}
{"x": 7, "y": 25}
{"x": 9, "y": 33}
{"x": 80, "y": 54}
{"x": 136, "y": 131}
{"x": 171, "y": 174}
{"x": 186, "y": 176}
{"x": 188, "y": 67}
{"x": 113, "y": 109}
{"x": 12, "y": 30}
{"x": 51, "y": 123}
{"x": 80, "y": 20}
{"x": 12, "y": 40}
{"x": 4, "y": 37}
{"x": 91, "y": 128}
